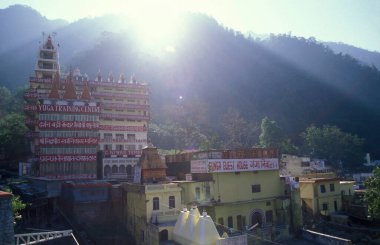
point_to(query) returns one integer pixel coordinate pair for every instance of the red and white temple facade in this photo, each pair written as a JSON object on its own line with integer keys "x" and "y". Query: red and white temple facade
{"x": 72, "y": 119}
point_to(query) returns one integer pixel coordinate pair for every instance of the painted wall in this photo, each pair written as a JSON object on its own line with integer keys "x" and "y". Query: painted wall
{"x": 235, "y": 187}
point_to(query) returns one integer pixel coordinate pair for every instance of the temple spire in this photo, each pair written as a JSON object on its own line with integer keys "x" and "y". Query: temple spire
{"x": 86, "y": 95}
{"x": 54, "y": 93}
{"x": 70, "y": 93}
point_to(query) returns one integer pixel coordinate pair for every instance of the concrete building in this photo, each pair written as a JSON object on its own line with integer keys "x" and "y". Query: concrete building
{"x": 151, "y": 204}
{"x": 323, "y": 196}
{"x": 71, "y": 118}
{"x": 292, "y": 165}
{"x": 237, "y": 192}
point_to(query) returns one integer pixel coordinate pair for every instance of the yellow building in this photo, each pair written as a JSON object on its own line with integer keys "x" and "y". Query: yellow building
{"x": 240, "y": 194}
{"x": 151, "y": 206}
{"x": 323, "y": 196}
{"x": 151, "y": 211}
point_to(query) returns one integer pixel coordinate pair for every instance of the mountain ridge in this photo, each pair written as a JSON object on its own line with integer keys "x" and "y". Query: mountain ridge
{"x": 293, "y": 80}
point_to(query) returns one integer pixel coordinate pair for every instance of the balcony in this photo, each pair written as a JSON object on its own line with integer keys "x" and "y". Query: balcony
{"x": 122, "y": 152}
{"x": 123, "y": 117}
{"x": 123, "y": 128}
{"x": 120, "y": 106}
{"x": 122, "y": 140}
{"x": 117, "y": 85}
{"x": 119, "y": 95}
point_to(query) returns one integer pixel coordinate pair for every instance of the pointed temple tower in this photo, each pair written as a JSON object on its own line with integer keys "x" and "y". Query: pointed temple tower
{"x": 82, "y": 128}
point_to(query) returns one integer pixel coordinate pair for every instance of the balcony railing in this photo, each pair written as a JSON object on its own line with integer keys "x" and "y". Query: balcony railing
{"x": 122, "y": 152}
{"x": 123, "y": 128}
{"x": 123, "y": 106}
{"x": 119, "y": 95}
{"x": 120, "y": 140}
{"x": 121, "y": 116}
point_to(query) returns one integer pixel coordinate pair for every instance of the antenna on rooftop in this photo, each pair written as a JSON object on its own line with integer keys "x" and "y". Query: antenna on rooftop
{"x": 43, "y": 38}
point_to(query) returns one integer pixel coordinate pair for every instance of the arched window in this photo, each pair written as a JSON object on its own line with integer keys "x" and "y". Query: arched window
{"x": 129, "y": 170}
{"x": 121, "y": 169}
{"x": 114, "y": 169}
{"x": 171, "y": 201}
{"x": 156, "y": 203}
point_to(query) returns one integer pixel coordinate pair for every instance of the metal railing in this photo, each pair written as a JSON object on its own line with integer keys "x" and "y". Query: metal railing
{"x": 33, "y": 238}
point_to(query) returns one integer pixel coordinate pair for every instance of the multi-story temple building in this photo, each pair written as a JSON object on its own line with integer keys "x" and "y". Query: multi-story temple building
{"x": 83, "y": 129}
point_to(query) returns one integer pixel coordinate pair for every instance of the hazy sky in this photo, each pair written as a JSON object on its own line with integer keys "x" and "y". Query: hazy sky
{"x": 355, "y": 22}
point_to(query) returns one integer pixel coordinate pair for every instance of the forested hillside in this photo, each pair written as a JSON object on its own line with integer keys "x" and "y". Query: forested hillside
{"x": 216, "y": 81}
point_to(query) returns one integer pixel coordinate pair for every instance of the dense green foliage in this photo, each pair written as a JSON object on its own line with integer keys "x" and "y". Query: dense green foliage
{"x": 372, "y": 195}
{"x": 13, "y": 144}
{"x": 334, "y": 145}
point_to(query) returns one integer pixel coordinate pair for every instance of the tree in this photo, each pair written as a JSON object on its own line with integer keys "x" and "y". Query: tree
{"x": 333, "y": 145}
{"x": 271, "y": 133}
{"x": 238, "y": 132}
{"x": 372, "y": 195}
{"x": 12, "y": 136}
{"x": 17, "y": 204}
{"x": 272, "y": 136}
{"x": 5, "y": 98}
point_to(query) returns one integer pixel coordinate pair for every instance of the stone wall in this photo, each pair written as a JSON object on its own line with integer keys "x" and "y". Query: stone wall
{"x": 6, "y": 219}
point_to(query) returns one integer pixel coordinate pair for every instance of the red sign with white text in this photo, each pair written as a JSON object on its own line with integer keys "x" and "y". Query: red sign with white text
{"x": 233, "y": 165}
{"x": 68, "y": 125}
{"x": 67, "y": 141}
{"x": 68, "y": 158}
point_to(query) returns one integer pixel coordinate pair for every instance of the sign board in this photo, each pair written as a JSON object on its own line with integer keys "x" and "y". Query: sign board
{"x": 233, "y": 165}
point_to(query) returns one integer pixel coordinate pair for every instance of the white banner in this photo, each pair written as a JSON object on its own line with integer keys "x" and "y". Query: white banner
{"x": 233, "y": 165}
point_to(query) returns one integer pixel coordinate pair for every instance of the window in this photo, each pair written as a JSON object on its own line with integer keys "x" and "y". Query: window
{"x": 156, "y": 203}
{"x": 269, "y": 216}
{"x": 325, "y": 206}
{"x": 256, "y": 188}
{"x": 119, "y": 136}
{"x": 305, "y": 164}
{"x": 131, "y": 137}
{"x": 230, "y": 222}
{"x": 119, "y": 147}
{"x": 221, "y": 221}
{"x": 268, "y": 203}
{"x": 335, "y": 206}
{"x": 107, "y": 136}
{"x": 239, "y": 222}
{"x": 332, "y": 187}
{"x": 198, "y": 193}
{"x": 323, "y": 188}
{"x": 208, "y": 192}
{"x": 171, "y": 202}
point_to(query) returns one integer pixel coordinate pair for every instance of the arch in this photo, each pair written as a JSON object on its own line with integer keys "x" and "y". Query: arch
{"x": 129, "y": 170}
{"x": 107, "y": 171}
{"x": 257, "y": 217}
{"x": 164, "y": 235}
{"x": 114, "y": 169}
{"x": 121, "y": 169}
